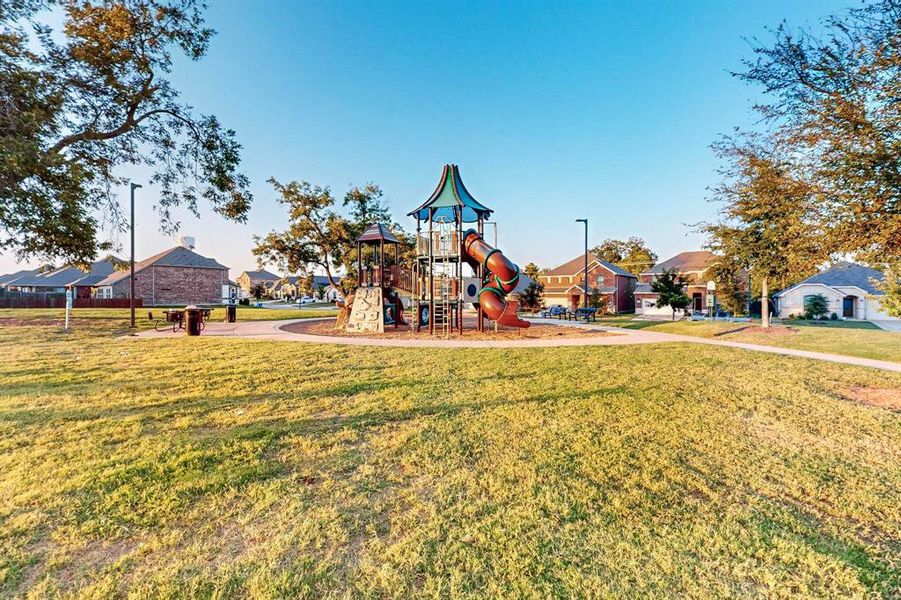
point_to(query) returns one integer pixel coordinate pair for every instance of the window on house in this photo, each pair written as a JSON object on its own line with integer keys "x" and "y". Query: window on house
{"x": 600, "y": 281}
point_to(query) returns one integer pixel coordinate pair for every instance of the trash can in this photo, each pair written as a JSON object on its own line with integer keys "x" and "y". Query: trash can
{"x": 231, "y": 313}
{"x": 193, "y": 320}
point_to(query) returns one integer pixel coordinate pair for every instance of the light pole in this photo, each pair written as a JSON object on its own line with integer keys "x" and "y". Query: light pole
{"x": 131, "y": 296}
{"x": 585, "y": 273}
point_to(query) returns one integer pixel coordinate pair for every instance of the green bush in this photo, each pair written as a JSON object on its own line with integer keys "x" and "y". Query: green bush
{"x": 833, "y": 317}
{"x": 815, "y": 306}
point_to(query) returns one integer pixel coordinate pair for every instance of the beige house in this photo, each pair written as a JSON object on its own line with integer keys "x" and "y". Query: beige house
{"x": 248, "y": 279}
{"x": 849, "y": 291}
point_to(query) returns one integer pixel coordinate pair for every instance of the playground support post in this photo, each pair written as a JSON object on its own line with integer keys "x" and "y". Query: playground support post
{"x": 431, "y": 291}
{"x": 585, "y": 272}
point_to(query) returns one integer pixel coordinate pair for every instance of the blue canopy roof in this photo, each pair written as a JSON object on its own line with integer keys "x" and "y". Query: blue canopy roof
{"x": 449, "y": 197}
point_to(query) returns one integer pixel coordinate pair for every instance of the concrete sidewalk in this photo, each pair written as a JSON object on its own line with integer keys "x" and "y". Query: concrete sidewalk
{"x": 272, "y": 330}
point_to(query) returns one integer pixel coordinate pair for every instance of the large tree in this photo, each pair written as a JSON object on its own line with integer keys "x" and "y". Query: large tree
{"x": 79, "y": 103}
{"x": 834, "y": 96}
{"x": 770, "y": 223}
{"x": 633, "y": 254}
{"x": 319, "y": 236}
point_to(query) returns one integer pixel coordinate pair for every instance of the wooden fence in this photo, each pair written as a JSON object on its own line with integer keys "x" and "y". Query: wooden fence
{"x": 59, "y": 301}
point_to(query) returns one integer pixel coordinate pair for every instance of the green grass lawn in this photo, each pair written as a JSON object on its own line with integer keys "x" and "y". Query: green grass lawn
{"x": 852, "y": 338}
{"x": 211, "y": 467}
{"x": 120, "y": 317}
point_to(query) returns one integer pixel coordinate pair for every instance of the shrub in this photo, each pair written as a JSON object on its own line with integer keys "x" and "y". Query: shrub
{"x": 244, "y": 301}
{"x": 833, "y": 317}
{"x": 532, "y": 298}
{"x": 816, "y": 306}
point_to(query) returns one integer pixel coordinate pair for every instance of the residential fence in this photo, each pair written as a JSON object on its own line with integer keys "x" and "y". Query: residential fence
{"x": 55, "y": 300}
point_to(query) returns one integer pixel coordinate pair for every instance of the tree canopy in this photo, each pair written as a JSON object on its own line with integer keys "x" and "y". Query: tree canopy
{"x": 834, "y": 98}
{"x": 318, "y": 235}
{"x": 80, "y": 102}
{"x": 770, "y": 220}
{"x": 633, "y": 254}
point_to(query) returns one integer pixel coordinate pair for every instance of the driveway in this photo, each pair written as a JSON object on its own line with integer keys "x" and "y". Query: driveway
{"x": 888, "y": 325}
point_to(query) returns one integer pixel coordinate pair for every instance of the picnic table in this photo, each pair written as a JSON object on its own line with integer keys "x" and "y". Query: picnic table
{"x": 175, "y": 319}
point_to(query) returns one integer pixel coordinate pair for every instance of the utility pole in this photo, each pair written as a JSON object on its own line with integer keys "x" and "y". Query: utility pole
{"x": 585, "y": 272}
{"x": 131, "y": 297}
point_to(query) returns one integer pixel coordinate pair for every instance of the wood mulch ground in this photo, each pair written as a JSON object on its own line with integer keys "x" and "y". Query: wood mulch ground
{"x": 469, "y": 332}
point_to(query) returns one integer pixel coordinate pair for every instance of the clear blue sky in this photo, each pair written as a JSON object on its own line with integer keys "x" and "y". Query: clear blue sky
{"x": 553, "y": 111}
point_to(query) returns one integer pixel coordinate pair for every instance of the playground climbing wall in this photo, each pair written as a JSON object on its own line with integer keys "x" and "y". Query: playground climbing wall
{"x": 367, "y": 314}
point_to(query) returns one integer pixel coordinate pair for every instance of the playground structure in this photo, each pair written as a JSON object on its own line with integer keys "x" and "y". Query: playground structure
{"x": 376, "y": 301}
{"x": 439, "y": 286}
{"x": 436, "y": 284}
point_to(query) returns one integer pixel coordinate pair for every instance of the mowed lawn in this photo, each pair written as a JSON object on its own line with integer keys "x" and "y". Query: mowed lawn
{"x": 210, "y": 467}
{"x": 121, "y": 316}
{"x": 853, "y": 338}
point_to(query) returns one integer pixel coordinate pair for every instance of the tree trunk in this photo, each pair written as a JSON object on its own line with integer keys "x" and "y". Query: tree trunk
{"x": 764, "y": 304}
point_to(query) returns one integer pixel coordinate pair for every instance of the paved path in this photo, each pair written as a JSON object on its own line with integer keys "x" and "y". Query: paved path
{"x": 272, "y": 330}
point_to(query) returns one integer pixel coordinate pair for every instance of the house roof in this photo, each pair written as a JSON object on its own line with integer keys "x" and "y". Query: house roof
{"x": 10, "y": 277}
{"x": 179, "y": 256}
{"x": 577, "y": 265}
{"x": 66, "y": 276}
{"x": 378, "y": 233}
{"x": 264, "y": 274}
{"x": 449, "y": 196}
{"x": 844, "y": 274}
{"x": 696, "y": 260}
{"x": 643, "y": 288}
{"x": 292, "y": 280}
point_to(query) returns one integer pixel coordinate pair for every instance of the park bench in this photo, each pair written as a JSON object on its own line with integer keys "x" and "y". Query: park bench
{"x": 554, "y": 311}
{"x": 589, "y": 314}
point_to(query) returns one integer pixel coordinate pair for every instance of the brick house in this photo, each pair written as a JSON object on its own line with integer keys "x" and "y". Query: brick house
{"x": 248, "y": 279}
{"x": 177, "y": 276}
{"x": 692, "y": 266}
{"x": 564, "y": 284}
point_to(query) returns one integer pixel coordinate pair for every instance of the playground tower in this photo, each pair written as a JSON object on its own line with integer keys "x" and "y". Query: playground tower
{"x": 442, "y": 246}
{"x": 375, "y": 302}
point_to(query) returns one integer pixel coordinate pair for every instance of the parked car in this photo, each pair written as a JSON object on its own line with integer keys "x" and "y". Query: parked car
{"x": 306, "y": 300}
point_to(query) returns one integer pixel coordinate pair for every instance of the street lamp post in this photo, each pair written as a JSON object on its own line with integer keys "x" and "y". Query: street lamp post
{"x": 131, "y": 296}
{"x": 585, "y": 273}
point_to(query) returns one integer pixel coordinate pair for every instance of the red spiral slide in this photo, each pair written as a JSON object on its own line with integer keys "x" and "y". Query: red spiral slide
{"x": 501, "y": 277}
